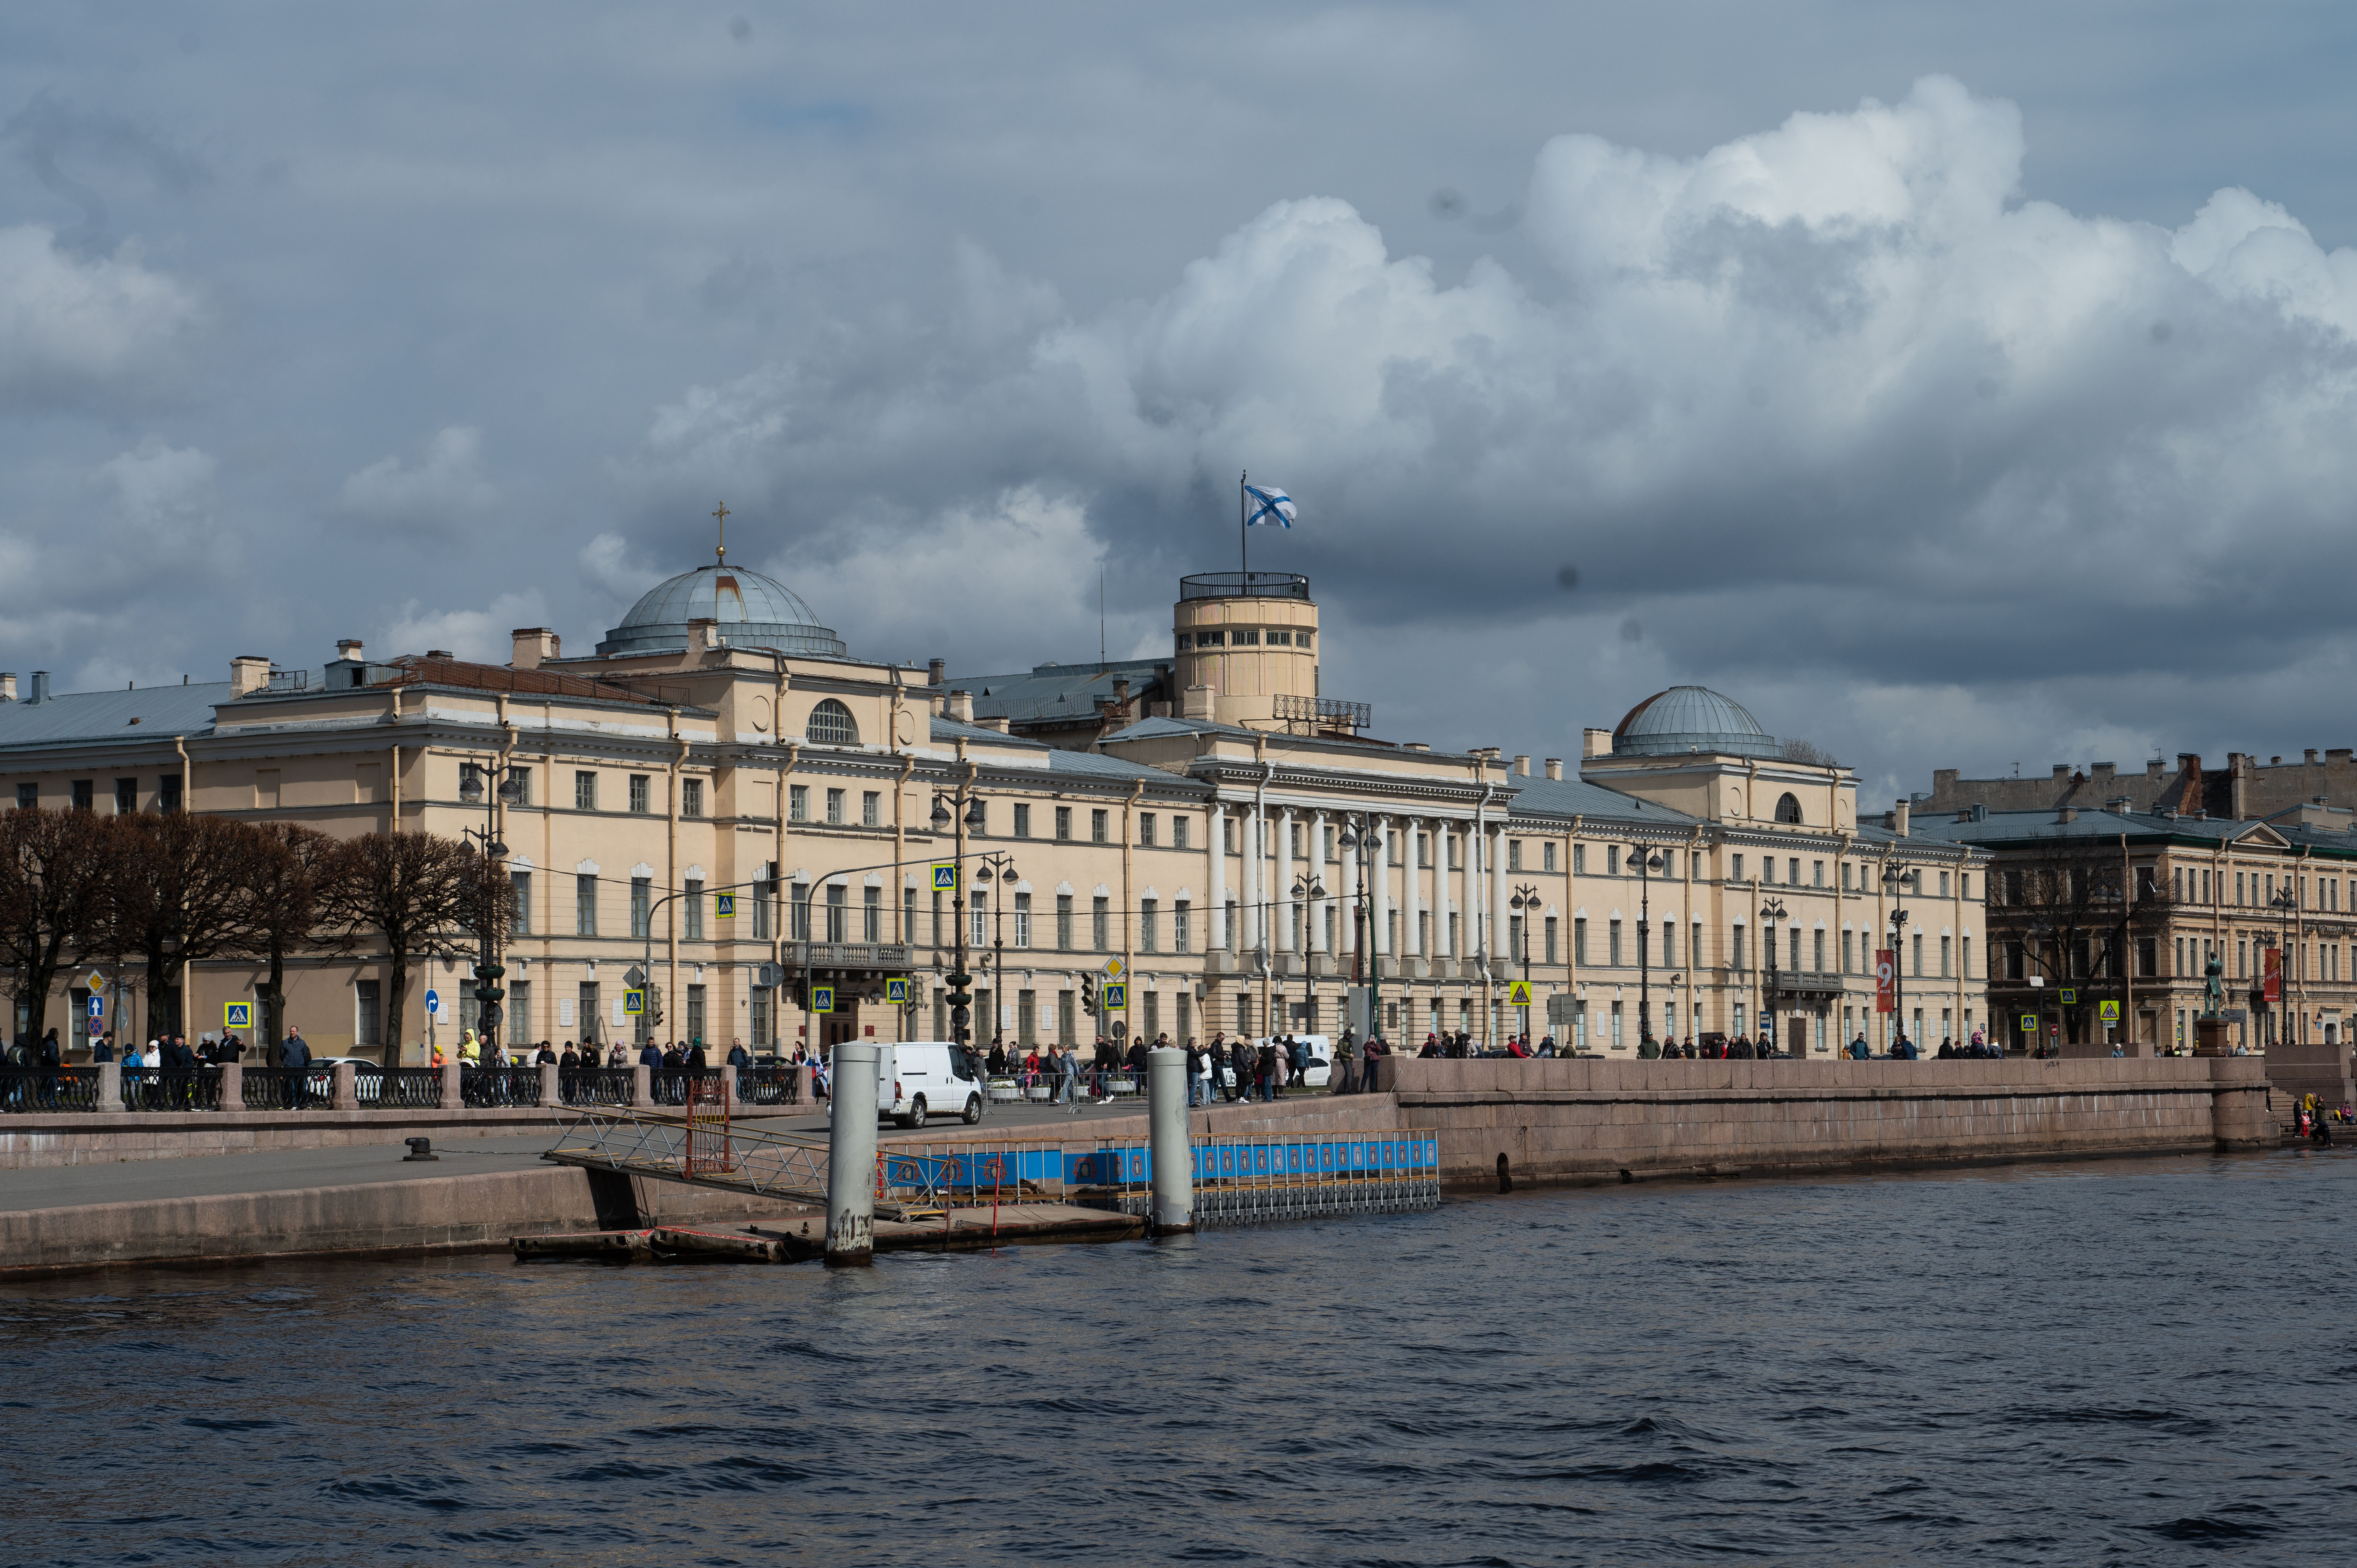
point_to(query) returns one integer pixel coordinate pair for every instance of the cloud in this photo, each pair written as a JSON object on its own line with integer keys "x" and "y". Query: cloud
{"x": 1826, "y": 402}
{"x": 479, "y": 635}
{"x": 440, "y": 494}
{"x": 74, "y": 333}
{"x": 157, "y": 484}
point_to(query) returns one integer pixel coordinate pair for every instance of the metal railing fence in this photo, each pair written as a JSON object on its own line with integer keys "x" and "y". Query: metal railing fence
{"x": 171, "y": 1089}
{"x": 281, "y": 1088}
{"x": 37, "y": 1089}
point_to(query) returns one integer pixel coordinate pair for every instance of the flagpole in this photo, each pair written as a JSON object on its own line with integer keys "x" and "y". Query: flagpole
{"x": 1243, "y": 548}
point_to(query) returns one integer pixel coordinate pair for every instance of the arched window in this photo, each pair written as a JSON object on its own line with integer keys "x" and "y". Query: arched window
{"x": 1788, "y": 810}
{"x": 831, "y": 724}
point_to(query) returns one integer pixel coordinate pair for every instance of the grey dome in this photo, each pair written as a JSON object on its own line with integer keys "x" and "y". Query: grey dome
{"x": 1690, "y": 718}
{"x": 753, "y": 611}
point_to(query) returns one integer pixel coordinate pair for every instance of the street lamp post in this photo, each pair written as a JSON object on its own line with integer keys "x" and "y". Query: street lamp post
{"x": 1769, "y": 913}
{"x": 998, "y": 869}
{"x": 1359, "y": 833}
{"x": 2283, "y": 903}
{"x": 1306, "y": 889}
{"x": 1899, "y": 876}
{"x": 1648, "y": 862}
{"x": 474, "y": 779}
{"x": 964, "y": 813}
{"x": 1525, "y": 901}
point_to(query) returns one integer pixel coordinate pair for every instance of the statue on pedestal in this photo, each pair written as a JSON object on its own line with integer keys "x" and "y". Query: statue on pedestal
{"x": 2213, "y": 987}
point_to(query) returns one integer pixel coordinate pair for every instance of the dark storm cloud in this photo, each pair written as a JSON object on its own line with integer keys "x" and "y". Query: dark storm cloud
{"x": 1937, "y": 430}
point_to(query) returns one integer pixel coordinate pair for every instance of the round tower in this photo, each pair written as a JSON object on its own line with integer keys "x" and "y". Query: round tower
{"x": 1248, "y": 648}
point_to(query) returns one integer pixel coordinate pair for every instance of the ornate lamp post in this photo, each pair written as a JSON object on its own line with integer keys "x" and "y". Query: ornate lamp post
{"x": 1525, "y": 901}
{"x": 473, "y": 780}
{"x": 967, "y": 813}
{"x": 998, "y": 869}
{"x": 2283, "y": 904}
{"x": 1648, "y": 860}
{"x": 1306, "y": 888}
{"x": 1359, "y": 833}
{"x": 1899, "y": 876}
{"x": 1769, "y": 913}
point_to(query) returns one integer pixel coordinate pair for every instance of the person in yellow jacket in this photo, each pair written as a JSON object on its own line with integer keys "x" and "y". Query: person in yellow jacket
{"x": 468, "y": 1056}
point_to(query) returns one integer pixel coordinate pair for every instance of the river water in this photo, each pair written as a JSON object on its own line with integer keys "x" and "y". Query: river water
{"x": 2116, "y": 1362}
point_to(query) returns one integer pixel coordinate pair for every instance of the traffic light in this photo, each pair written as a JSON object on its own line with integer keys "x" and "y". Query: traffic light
{"x": 1089, "y": 995}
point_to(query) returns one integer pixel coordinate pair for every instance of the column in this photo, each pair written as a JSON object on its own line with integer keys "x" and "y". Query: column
{"x": 1281, "y": 896}
{"x": 1255, "y": 881}
{"x": 1317, "y": 943}
{"x": 1215, "y": 925}
{"x": 1500, "y": 952}
{"x": 1379, "y": 875}
{"x": 1411, "y": 895}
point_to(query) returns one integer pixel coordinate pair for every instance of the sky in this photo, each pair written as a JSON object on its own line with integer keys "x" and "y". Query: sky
{"x": 1952, "y": 386}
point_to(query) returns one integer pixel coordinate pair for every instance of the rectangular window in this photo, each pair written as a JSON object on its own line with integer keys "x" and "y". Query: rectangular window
{"x": 1022, "y": 821}
{"x": 1579, "y": 942}
{"x": 1965, "y": 891}
{"x": 1234, "y": 933}
{"x": 1551, "y": 940}
{"x": 642, "y": 893}
{"x": 1146, "y": 829}
{"x": 638, "y": 794}
{"x": 1795, "y": 936}
{"x": 126, "y": 796}
{"x": 798, "y": 802}
{"x": 1943, "y": 957}
{"x": 695, "y": 1024}
{"x": 1817, "y": 954}
{"x": 1737, "y": 862}
{"x": 1063, "y": 922}
{"x": 1101, "y": 924}
{"x": 587, "y": 1005}
{"x": 1845, "y": 888}
{"x": 908, "y": 932}
{"x": 1456, "y": 850}
{"x": 1546, "y": 855}
{"x": 871, "y": 917}
{"x": 1179, "y": 832}
{"x": 838, "y": 912}
{"x": 979, "y": 920}
{"x": 1944, "y": 884}
{"x": 871, "y": 809}
{"x": 1817, "y": 872}
{"x": 1669, "y": 944}
{"x": 1792, "y": 871}
{"x": 690, "y": 797}
{"x": 695, "y": 902}
{"x": 1514, "y": 938}
{"x": 585, "y": 906}
{"x": 1849, "y": 954}
{"x": 835, "y": 799}
{"x": 29, "y": 797}
{"x": 1332, "y": 855}
{"x": 1579, "y": 860}
{"x": 1514, "y": 854}
{"x": 168, "y": 794}
{"x": 368, "y": 1012}
{"x": 521, "y": 882}
{"x": 1737, "y": 958}
{"x": 1919, "y": 957}
{"x": 1097, "y": 821}
{"x": 1615, "y": 946}
{"x": 1616, "y": 1025}
{"x": 585, "y": 791}
{"x": 1149, "y": 926}
{"x": 1063, "y": 822}
{"x": 1454, "y": 945}
{"x": 1182, "y": 920}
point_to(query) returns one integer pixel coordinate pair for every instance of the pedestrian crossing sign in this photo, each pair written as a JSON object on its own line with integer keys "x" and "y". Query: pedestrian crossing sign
{"x": 2108, "y": 1011}
{"x": 634, "y": 1003}
{"x": 945, "y": 877}
{"x": 2070, "y": 997}
{"x": 822, "y": 999}
{"x": 1115, "y": 996}
{"x": 2030, "y": 1022}
{"x": 895, "y": 992}
{"x": 237, "y": 1015}
{"x": 1518, "y": 993}
{"x": 723, "y": 905}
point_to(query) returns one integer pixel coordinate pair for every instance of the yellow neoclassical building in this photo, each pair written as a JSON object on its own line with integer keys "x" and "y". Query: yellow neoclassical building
{"x": 724, "y": 794}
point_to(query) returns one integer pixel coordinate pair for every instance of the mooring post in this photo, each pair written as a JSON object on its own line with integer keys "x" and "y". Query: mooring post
{"x": 851, "y": 1155}
{"x": 1173, "y": 1160}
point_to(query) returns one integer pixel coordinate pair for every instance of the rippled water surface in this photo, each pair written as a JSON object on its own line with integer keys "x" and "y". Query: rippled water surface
{"x": 2104, "y": 1363}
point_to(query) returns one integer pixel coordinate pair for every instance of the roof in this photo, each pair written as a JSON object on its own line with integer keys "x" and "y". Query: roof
{"x": 1690, "y": 718}
{"x": 108, "y": 715}
{"x": 752, "y": 610}
{"x": 1163, "y": 729}
{"x": 1051, "y": 691}
{"x": 1577, "y": 797}
{"x": 1096, "y": 765}
{"x": 949, "y": 729}
{"x": 1995, "y": 828}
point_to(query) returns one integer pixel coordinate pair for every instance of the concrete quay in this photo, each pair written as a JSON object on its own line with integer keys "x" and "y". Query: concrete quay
{"x": 1579, "y": 1121}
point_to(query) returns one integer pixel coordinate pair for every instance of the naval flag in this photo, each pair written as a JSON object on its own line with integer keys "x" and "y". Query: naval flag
{"x": 1268, "y": 508}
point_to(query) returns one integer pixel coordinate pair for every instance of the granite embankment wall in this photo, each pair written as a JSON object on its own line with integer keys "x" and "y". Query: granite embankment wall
{"x": 1573, "y": 1122}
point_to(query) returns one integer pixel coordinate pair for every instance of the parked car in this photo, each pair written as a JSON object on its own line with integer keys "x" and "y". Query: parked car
{"x": 1322, "y": 1062}
{"x": 918, "y": 1080}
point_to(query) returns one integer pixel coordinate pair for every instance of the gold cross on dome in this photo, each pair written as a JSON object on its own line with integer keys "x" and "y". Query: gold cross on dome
{"x": 721, "y": 512}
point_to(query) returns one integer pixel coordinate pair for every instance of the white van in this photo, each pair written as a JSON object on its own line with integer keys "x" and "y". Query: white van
{"x": 919, "y": 1079}
{"x": 1320, "y": 1071}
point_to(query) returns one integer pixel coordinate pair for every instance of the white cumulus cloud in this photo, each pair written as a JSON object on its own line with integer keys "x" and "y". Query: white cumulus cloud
{"x": 440, "y": 493}
{"x": 77, "y": 331}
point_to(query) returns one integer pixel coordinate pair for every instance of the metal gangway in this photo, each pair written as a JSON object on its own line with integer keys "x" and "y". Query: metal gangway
{"x": 681, "y": 1143}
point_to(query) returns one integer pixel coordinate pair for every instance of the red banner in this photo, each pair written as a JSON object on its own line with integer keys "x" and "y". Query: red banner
{"x": 2273, "y": 984}
{"x": 1886, "y": 981}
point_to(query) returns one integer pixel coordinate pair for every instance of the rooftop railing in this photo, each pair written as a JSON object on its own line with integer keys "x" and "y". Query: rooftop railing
{"x": 1244, "y": 585}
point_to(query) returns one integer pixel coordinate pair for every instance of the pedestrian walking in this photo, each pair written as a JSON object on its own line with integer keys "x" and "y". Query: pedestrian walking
{"x": 295, "y": 1059}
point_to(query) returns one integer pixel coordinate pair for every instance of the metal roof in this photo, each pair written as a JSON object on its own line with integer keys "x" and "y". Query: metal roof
{"x": 1690, "y": 718}
{"x": 1576, "y": 797}
{"x": 754, "y": 611}
{"x": 108, "y": 715}
{"x": 1051, "y": 691}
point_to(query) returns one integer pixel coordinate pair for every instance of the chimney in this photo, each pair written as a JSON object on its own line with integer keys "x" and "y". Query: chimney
{"x": 441, "y": 653}
{"x": 1899, "y": 819}
{"x": 1002, "y": 723}
{"x": 248, "y": 672}
{"x": 1415, "y": 746}
{"x": 2062, "y": 773}
{"x": 8, "y": 685}
{"x": 1595, "y": 743}
{"x": 534, "y": 645}
{"x": 40, "y": 687}
{"x": 961, "y": 706}
{"x": 2067, "y": 814}
{"x": 1554, "y": 768}
{"x": 1121, "y": 691}
{"x": 2312, "y": 757}
{"x": 1522, "y": 766}
{"x": 1197, "y": 704}
{"x": 348, "y": 648}
{"x": 936, "y": 671}
{"x": 2152, "y": 770}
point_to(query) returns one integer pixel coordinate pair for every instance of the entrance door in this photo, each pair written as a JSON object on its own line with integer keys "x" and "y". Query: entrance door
{"x": 841, "y": 1024}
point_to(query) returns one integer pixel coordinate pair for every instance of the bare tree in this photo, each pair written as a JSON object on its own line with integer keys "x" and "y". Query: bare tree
{"x": 1809, "y": 752}
{"x": 422, "y": 894}
{"x": 54, "y": 868}
{"x": 294, "y": 879}
{"x": 179, "y": 890}
{"x": 2074, "y": 918}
